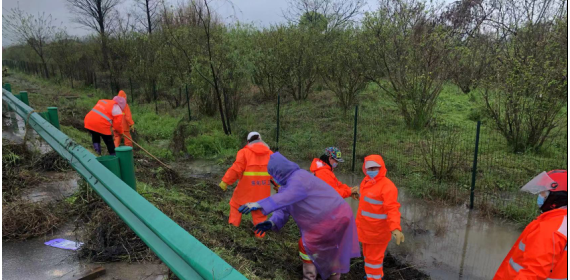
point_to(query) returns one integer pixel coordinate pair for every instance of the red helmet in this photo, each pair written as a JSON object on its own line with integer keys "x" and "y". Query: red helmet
{"x": 553, "y": 181}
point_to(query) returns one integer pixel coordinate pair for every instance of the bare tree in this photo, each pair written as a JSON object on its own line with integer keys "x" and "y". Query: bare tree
{"x": 337, "y": 13}
{"x": 36, "y": 32}
{"x": 96, "y": 15}
{"x": 150, "y": 10}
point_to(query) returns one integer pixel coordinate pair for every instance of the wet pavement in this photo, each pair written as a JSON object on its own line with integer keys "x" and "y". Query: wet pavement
{"x": 32, "y": 259}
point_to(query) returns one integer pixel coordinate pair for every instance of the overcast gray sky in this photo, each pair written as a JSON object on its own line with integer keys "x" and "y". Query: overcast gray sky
{"x": 259, "y": 12}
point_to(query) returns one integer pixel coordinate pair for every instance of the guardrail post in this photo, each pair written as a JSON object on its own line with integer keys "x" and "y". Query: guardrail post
{"x": 112, "y": 163}
{"x": 53, "y": 116}
{"x": 24, "y": 97}
{"x": 8, "y": 87}
{"x": 125, "y": 155}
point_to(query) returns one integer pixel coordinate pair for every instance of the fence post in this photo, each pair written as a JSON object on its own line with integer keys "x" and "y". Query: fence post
{"x": 278, "y": 108}
{"x": 474, "y": 171}
{"x": 53, "y": 116}
{"x": 354, "y": 139}
{"x": 125, "y": 155}
{"x": 154, "y": 93}
{"x": 24, "y": 97}
{"x": 8, "y": 87}
{"x": 188, "y": 103}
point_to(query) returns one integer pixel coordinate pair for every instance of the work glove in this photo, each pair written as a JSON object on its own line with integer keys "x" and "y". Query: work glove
{"x": 132, "y": 128}
{"x": 355, "y": 192}
{"x": 223, "y": 185}
{"x": 248, "y": 207}
{"x": 263, "y": 227}
{"x": 398, "y": 235}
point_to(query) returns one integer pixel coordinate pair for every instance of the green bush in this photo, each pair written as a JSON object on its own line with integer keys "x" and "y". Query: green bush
{"x": 212, "y": 145}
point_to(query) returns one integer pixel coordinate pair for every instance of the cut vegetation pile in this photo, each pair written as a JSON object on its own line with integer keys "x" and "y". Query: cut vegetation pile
{"x": 23, "y": 220}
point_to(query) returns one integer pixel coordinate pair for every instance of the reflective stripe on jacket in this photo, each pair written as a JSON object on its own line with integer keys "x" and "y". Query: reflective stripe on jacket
{"x": 541, "y": 252}
{"x": 378, "y": 211}
{"x": 100, "y": 118}
{"x": 324, "y": 172}
{"x": 250, "y": 168}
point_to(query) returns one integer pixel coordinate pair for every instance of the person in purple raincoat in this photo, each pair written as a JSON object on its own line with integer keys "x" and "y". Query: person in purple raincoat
{"x": 327, "y": 225}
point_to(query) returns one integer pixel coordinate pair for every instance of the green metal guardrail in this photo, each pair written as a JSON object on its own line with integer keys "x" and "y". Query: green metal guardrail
{"x": 184, "y": 254}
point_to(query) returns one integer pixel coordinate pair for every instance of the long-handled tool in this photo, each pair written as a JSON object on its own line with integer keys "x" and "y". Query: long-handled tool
{"x": 147, "y": 152}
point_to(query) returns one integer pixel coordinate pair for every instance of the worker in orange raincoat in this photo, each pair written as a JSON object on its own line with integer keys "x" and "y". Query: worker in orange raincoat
{"x": 541, "y": 252}
{"x": 378, "y": 217}
{"x": 128, "y": 125}
{"x": 250, "y": 168}
{"x": 323, "y": 168}
{"x": 103, "y": 119}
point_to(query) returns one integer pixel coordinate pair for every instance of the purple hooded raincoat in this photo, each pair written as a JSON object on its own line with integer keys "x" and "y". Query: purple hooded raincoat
{"x": 326, "y": 221}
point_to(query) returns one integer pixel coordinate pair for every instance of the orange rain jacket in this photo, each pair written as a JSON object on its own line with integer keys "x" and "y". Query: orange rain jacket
{"x": 324, "y": 172}
{"x": 541, "y": 252}
{"x": 127, "y": 117}
{"x": 378, "y": 210}
{"x": 250, "y": 168}
{"x": 100, "y": 118}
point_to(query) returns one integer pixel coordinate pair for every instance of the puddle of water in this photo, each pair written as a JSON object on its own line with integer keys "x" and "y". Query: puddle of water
{"x": 65, "y": 185}
{"x": 447, "y": 242}
{"x": 14, "y": 130}
{"x": 32, "y": 259}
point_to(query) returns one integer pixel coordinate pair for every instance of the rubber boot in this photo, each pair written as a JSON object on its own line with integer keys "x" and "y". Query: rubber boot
{"x": 97, "y": 147}
{"x": 309, "y": 271}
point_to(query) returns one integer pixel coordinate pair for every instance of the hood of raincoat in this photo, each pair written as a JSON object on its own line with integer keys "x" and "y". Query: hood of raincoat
{"x": 318, "y": 164}
{"x": 121, "y": 101}
{"x": 280, "y": 168}
{"x": 378, "y": 159}
{"x": 258, "y": 147}
{"x": 122, "y": 94}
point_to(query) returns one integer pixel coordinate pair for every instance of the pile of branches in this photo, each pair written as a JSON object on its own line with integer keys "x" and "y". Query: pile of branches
{"x": 22, "y": 220}
{"x": 105, "y": 236}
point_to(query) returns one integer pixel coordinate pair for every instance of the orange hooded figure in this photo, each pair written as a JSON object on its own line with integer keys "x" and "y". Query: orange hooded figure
{"x": 324, "y": 171}
{"x": 250, "y": 168}
{"x": 378, "y": 217}
{"x": 126, "y": 124}
{"x": 541, "y": 252}
{"x": 106, "y": 116}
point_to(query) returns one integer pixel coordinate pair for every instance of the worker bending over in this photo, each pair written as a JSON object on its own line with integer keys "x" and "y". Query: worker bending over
{"x": 106, "y": 116}
{"x": 250, "y": 168}
{"x": 541, "y": 252}
{"x": 326, "y": 222}
{"x": 323, "y": 168}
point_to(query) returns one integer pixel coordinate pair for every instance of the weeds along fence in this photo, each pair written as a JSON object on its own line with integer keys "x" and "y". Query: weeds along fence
{"x": 436, "y": 163}
{"x": 163, "y": 97}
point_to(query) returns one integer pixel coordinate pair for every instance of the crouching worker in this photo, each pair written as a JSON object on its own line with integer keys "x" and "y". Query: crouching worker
{"x": 378, "y": 217}
{"x": 106, "y": 116}
{"x": 541, "y": 252}
{"x": 326, "y": 222}
{"x": 250, "y": 168}
{"x": 323, "y": 168}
